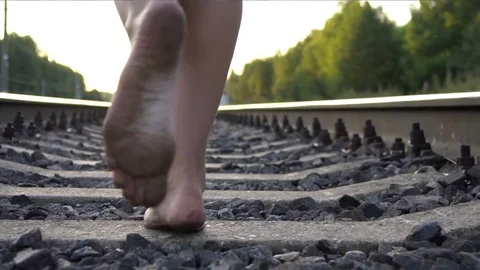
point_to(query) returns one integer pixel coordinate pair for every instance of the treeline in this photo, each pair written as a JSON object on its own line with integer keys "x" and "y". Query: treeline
{"x": 33, "y": 74}
{"x": 361, "y": 53}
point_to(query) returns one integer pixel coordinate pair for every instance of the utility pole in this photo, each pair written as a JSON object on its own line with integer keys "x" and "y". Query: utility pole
{"x": 5, "y": 52}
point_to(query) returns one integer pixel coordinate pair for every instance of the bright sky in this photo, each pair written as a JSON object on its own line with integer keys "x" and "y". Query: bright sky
{"x": 89, "y": 37}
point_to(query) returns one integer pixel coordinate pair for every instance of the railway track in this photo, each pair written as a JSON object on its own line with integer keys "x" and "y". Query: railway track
{"x": 319, "y": 190}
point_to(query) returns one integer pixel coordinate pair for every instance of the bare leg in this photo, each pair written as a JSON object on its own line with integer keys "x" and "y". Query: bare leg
{"x": 211, "y": 32}
{"x": 212, "y": 29}
{"x": 138, "y": 129}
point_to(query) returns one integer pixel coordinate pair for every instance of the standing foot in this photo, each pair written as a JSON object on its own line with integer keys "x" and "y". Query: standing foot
{"x": 182, "y": 209}
{"x": 138, "y": 129}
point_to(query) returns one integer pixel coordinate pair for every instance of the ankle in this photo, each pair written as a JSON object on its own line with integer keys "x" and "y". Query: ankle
{"x": 188, "y": 180}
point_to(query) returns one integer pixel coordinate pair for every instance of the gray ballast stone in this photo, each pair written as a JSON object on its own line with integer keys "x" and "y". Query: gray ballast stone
{"x": 455, "y": 220}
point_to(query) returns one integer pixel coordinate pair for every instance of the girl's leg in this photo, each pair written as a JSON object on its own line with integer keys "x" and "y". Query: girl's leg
{"x": 139, "y": 131}
{"x": 212, "y": 29}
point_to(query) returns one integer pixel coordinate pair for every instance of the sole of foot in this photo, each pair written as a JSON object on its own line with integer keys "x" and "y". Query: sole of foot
{"x": 138, "y": 128}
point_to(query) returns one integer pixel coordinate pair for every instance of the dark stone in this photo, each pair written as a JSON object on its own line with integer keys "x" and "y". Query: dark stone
{"x": 354, "y": 214}
{"x": 327, "y": 246}
{"x": 475, "y": 190}
{"x": 313, "y": 182}
{"x": 343, "y": 264}
{"x": 257, "y": 266}
{"x": 426, "y": 231}
{"x": 31, "y": 238}
{"x": 355, "y": 255}
{"x": 458, "y": 245}
{"x": 424, "y": 203}
{"x": 403, "y": 190}
{"x": 136, "y": 241}
{"x": 229, "y": 261}
{"x": 149, "y": 255}
{"x": 83, "y": 243}
{"x": 413, "y": 245}
{"x": 358, "y": 177}
{"x": 35, "y": 259}
{"x": 407, "y": 261}
{"x": 461, "y": 198}
{"x": 37, "y": 156}
{"x": 260, "y": 253}
{"x": 446, "y": 264}
{"x": 468, "y": 259}
{"x": 427, "y": 264}
{"x": 456, "y": 177}
{"x": 312, "y": 263}
{"x": 90, "y": 261}
{"x": 380, "y": 266}
{"x": 174, "y": 247}
{"x": 207, "y": 257}
{"x": 168, "y": 263}
{"x": 81, "y": 253}
{"x": 303, "y": 204}
{"x": 277, "y": 209}
{"x": 21, "y": 200}
{"x": 434, "y": 253}
{"x": 188, "y": 255}
{"x": 273, "y": 218}
{"x": 36, "y": 214}
{"x": 347, "y": 201}
{"x": 379, "y": 257}
{"x": 384, "y": 248}
{"x": 402, "y": 205}
{"x": 310, "y": 250}
{"x": 438, "y": 191}
{"x": 5, "y": 254}
{"x": 370, "y": 210}
{"x": 226, "y": 213}
{"x": 236, "y": 202}
{"x": 426, "y": 169}
{"x": 113, "y": 256}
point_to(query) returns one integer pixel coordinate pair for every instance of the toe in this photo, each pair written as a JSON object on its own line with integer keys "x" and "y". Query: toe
{"x": 129, "y": 190}
{"x": 153, "y": 219}
{"x": 148, "y": 192}
{"x": 118, "y": 180}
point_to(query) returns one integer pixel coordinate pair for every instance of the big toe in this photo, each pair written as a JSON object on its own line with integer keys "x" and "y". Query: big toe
{"x": 153, "y": 219}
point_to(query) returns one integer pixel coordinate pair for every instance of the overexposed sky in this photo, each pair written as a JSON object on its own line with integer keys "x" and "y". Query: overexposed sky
{"x": 89, "y": 37}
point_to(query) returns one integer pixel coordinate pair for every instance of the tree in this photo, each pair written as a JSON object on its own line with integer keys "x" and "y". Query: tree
{"x": 359, "y": 52}
{"x": 30, "y": 73}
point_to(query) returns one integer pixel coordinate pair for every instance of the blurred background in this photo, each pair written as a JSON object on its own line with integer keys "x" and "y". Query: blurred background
{"x": 286, "y": 50}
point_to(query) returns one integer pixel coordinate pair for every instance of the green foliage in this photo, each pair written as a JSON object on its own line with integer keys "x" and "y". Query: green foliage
{"x": 361, "y": 53}
{"x": 32, "y": 74}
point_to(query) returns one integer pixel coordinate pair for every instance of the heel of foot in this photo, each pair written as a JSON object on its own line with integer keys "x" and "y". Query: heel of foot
{"x": 160, "y": 35}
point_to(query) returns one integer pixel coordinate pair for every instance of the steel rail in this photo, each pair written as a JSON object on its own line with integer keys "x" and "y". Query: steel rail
{"x": 29, "y": 105}
{"x": 447, "y": 120}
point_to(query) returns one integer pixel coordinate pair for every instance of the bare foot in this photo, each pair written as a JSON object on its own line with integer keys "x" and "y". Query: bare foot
{"x": 182, "y": 209}
{"x": 138, "y": 130}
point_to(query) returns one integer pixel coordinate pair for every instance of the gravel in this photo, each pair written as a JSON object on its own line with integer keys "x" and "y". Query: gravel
{"x": 459, "y": 186}
{"x": 368, "y": 171}
{"x": 431, "y": 250}
{"x": 40, "y": 160}
{"x": 21, "y": 208}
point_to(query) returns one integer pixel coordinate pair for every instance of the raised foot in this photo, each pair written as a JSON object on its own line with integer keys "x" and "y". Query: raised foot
{"x": 138, "y": 129}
